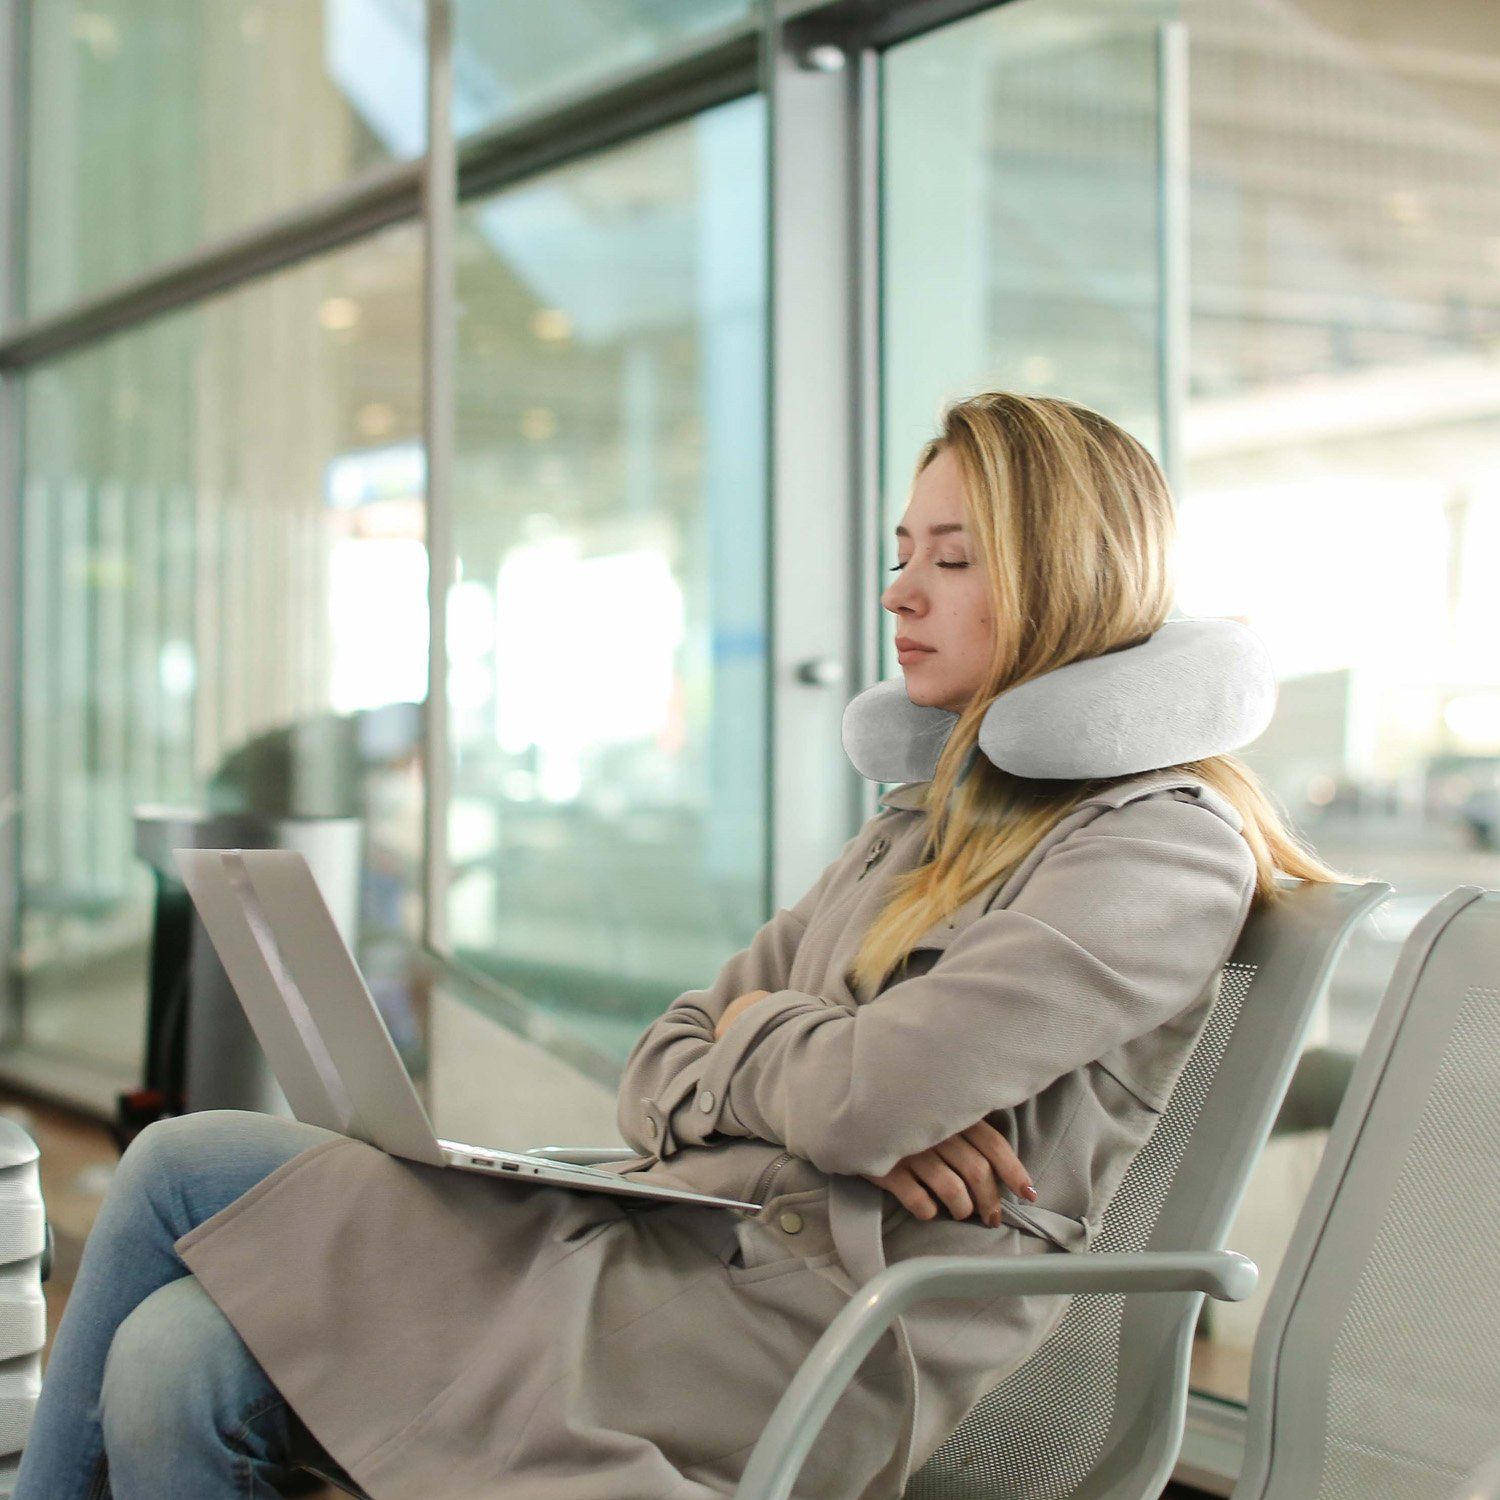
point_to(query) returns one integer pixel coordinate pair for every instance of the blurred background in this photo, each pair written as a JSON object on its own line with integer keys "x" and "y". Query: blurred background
{"x": 508, "y": 469}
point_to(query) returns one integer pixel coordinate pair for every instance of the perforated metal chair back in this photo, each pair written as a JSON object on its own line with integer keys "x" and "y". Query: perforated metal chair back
{"x": 1376, "y": 1369}
{"x": 1098, "y": 1409}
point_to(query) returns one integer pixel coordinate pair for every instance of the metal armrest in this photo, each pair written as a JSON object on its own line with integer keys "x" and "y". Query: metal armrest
{"x": 828, "y": 1368}
{"x": 583, "y": 1156}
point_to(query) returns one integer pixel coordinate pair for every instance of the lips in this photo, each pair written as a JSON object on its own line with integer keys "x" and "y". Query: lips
{"x": 903, "y": 644}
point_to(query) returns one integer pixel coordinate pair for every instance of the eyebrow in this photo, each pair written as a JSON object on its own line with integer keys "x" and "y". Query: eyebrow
{"x": 934, "y": 530}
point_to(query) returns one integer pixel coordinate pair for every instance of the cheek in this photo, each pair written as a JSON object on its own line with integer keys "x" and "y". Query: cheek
{"x": 981, "y": 633}
{"x": 980, "y": 614}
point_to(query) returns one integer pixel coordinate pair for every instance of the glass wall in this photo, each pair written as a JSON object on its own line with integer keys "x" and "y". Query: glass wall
{"x": 1341, "y": 429}
{"x": 223, "y": 606}
{"x": 156, "y": 125}
{"x": 224, "y": 597}
{"x": 508, "y": 58}
{"x": 1021, "y": 220}
{"x": 1342, "y": 458}
{"x": 607, "y": 635}
{"x": 1282, "y": 263}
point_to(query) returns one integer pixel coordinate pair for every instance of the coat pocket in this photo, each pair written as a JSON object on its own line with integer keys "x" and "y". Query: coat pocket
{"x": 755, "y": 1255}
{"x": 792, "y": 1236}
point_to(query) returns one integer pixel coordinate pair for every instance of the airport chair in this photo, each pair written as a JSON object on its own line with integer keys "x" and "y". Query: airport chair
{"x": 25, "y": 1262}
{"x": 1098, "y": 1410}
{"x": 1376, "y": 1368}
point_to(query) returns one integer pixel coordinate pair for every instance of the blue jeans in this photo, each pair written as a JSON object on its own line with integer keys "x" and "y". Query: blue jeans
{"x": 149, "y": 1391}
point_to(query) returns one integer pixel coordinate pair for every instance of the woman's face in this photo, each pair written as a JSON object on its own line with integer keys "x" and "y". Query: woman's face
{"x": 939, "y": 596}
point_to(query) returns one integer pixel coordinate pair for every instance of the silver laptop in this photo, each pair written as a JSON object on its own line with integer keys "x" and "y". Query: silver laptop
{"x": 322, "y": 1032}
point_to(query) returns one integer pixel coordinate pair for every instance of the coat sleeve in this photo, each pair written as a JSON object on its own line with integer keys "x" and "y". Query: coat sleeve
{"x": 662, "y": 1069}
{"x": 1116, "y": 931}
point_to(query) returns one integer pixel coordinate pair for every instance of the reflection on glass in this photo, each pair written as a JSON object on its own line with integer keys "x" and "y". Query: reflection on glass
{"x": 511, "y": 58}
{"x": 1343, "y": 479}
{"x": 1342, "y": 435}
{"x": 1020, "y": 218}
{"x": 157, "y": 125}
{"x": 607, "y": 632}
{"x": 223, "y": 606}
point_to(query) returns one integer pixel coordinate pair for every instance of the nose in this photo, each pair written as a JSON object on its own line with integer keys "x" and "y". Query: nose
{"x": 900, "y": 592}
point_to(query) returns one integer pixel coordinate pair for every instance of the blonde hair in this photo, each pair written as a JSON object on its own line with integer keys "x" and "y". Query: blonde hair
{"x": 1075, "y": 526}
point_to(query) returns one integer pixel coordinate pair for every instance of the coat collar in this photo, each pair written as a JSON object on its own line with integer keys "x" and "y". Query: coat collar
{"x": 910, "y": 795}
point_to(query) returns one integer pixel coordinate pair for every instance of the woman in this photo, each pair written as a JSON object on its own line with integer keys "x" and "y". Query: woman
{"x": 996, "y": 982}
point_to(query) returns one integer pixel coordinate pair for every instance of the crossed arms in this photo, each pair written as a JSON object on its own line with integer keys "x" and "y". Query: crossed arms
{"x": 1117, "y": 929}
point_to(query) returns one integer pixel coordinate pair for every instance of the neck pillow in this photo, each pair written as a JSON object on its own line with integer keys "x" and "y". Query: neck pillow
{"x": 1195, "y": 688}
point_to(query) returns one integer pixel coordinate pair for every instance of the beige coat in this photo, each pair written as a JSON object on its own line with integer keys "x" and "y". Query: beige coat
{"x": 450, "y": 1337}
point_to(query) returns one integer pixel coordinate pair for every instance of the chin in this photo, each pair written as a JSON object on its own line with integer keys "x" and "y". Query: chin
{"x": 926, "y": 697}
{"x": 930, "y": 695}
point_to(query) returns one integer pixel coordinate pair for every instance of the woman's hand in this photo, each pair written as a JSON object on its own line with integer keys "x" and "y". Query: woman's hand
{"x": 962, "y": 1171}
{"x": 733, "y": 1009}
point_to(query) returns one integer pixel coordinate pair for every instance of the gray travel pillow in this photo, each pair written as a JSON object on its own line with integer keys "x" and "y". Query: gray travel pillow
{"x": 1197, "y": 687}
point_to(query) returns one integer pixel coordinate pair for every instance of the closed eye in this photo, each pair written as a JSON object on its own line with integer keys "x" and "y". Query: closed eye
{"x": 899, "y": 566}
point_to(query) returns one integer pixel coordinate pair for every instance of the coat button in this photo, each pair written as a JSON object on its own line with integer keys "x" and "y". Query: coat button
{"x": 705, "y": 1101}
{"x": 791, "y": 1222}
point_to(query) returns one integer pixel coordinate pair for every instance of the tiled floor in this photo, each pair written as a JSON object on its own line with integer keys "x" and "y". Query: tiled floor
{"x": 78, "y": 1158}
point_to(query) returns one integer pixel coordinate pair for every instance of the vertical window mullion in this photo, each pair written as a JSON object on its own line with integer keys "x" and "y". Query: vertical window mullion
{"x": 439, "y": 198}
{"x": 12, "y": 75}
{"x": 813, "y": 434}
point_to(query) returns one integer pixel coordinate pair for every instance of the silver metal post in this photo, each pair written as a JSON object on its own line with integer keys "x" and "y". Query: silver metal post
{"x": 1173, "y": 292}
{"x": 13, "y": 96}
{"x": 439, "y": 200}
{"x": 815, "y": 435}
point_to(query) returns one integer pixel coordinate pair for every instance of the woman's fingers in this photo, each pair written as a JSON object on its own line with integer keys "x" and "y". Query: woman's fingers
{"x": 943, "y": 1182}
{"x": 908, "y": 1192}
{"x": 997, "y": 1150}
{"x": 960, "y": 1173}
{"x": 978, "y": 1173}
